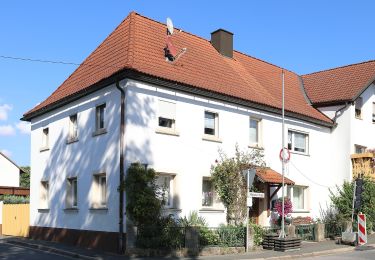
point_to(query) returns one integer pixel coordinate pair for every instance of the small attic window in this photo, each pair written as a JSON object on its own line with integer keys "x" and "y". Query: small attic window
{"x": 358, "y": 108}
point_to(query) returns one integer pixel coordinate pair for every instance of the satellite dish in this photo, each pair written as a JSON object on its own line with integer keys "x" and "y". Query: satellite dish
{"x": 170, "y": 25}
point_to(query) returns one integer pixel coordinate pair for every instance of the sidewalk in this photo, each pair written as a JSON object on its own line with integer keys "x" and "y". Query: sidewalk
{"x": 308, "y": 249}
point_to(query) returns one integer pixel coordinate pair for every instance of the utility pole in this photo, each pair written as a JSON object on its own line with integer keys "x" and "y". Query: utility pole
{"x": 282, "y": 233}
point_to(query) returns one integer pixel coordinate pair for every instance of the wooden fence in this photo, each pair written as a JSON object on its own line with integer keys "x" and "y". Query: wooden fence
{"x": 16, "y": 220}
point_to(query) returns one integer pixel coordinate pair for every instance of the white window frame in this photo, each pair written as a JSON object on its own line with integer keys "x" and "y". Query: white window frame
{"x": 99, "y": 117}
{"x": 358, "y": 147}
{"x": 216, "y": 124}
{"x": 358, "y": 108}
{"x": 290, "y": 194}
{"x": 258, "y": 143}
{"x": 168, "y": 115}
{"x": 171, "y": 189}
{"x": 212, "y": 196}
{"x": 44, "y": 195}
{"x": 73, "y": 128}
{"x": 72, "y": 193}
{"x": 102, "y": 197}
{"x": 45, "y": 138}
{"x": 293, "y": 148}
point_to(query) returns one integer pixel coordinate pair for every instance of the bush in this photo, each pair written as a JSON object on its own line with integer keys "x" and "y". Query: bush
{"x": 14, "y": 199}
{"x": 166, "y": 234}
{"x": 143, "y": 207}
{"x": 258, "y": 232}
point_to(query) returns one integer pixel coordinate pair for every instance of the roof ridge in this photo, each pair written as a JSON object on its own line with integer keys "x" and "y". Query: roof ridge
{"x": 340, "y": 67}
{"x": 11, "y": 161}
{"x": 202, "y": 38}
{"x": 267, "y": 62}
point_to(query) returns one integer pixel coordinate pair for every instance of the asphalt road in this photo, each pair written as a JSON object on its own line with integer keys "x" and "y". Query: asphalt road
{"x": 11, "y": 252}
{"x": 363, "y": 253}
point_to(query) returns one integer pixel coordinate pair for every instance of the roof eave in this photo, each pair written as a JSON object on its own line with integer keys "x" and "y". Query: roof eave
{"x": 140, "y": 76}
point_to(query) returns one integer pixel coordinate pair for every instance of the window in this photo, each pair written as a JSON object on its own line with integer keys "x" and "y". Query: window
{"x": 99, "y": 191}
{"x": 73, "y": 128}
{"x": 373, "y": 112}
{"x": 167, "y": 114}
{"x": 358, "y": 108}
{"x": 254, "y": 132}
{"x": 298, "y": 142}
{"x": 359, "y": 148}
{"x": 71, "y": 195}
{"x": 207, "y": 193}
{"x": 99, "y": 121}
{"x": 297, "y": 196}
{"x": 164, "y": 184}
{"x": 44, "y": 195}
{"x": 45, "y": 138}
{"x": 211, "y": 123}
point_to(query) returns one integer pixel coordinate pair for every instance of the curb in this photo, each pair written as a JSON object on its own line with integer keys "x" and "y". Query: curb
{"x": 52, "y": 250}
{"x": 312, "y": 254}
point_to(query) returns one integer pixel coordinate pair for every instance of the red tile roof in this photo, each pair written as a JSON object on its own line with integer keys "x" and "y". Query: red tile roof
{"x": 137, "y": 44}
{"x": 267, "y": 175}
{"x": 339, "y": 84}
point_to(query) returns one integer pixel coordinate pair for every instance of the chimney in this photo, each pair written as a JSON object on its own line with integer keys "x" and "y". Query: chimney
{"x": 222, "y": 40}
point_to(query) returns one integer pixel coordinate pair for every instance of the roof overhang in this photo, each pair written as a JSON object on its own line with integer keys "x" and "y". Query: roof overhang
{"x": 136, "y": 75}
{"x": 269, "y": 176}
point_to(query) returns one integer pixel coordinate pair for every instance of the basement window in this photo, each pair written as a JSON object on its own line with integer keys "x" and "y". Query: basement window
{"x": 358, "y": 108}
{"x": 359, "y": 148}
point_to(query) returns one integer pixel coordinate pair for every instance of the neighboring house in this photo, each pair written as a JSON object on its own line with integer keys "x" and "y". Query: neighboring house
{"x": 177, "y": 115}
{"x": 9, "y": 172}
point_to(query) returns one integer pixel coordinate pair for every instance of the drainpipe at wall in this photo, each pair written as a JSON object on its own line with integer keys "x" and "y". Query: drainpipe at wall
{"x": 337, "y": 114}
{"x": 121, "y": 240}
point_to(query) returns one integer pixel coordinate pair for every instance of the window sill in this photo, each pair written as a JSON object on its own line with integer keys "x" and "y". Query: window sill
{"x": 255, "y": 147}
{"x": 43, "y": 149}
{"x": 98, "y": 208}
{"x": 211, "y": 138}
{"x": 71, "y": 209}
{"x": 301, "y": 211}
{"x": 359, "y": 118}
{"x": 46, "y": 210}
{"x": 71, "y": 140}
{"x": 211, "y": 210}
{"x": 299, "y": 153}
{"x": 172, "y": 209}
{"x": 167, "y": 131}
{"x": 101, "y": 131}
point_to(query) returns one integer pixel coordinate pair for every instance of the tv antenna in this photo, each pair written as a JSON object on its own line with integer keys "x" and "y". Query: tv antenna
{"x": 170, "y": 51}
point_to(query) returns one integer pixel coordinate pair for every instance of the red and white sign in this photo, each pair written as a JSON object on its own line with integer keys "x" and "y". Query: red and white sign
{"x": 362, "y": 233}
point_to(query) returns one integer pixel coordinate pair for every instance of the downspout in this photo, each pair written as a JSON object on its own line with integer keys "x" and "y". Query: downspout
{"x": 121, "y": 244}
{"x": 337, "y": 114}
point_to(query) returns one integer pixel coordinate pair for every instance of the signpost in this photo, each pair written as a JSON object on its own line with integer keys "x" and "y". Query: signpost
{"x": 259, "y": 195}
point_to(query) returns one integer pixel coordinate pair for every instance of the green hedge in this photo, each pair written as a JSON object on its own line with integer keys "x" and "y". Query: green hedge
{"x": 14, "y": 199}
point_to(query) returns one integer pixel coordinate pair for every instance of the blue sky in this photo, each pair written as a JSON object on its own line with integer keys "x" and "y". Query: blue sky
{"x": 303, "y": 36}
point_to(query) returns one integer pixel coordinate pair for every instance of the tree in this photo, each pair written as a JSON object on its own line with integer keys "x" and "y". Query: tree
{"x": 143, "y": 206}
{"x": 230, "y": 183}
{"x": 25, "y": 177}
{"x": 342, "y": 201}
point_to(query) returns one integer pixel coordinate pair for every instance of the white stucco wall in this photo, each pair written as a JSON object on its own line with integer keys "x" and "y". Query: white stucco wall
{"x": 190, "y": 157}
{"x": 186, "y": 156}
{"x": 9, "y": 173}
{"x": 90, "y": 155}
{"x": 363, "y": 130}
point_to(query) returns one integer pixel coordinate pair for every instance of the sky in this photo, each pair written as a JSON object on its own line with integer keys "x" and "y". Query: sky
{"x": 302, "y": 36}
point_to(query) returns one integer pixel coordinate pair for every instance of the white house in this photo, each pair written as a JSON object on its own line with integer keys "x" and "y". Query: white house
{"x": 176, "y": 115}
{"x": 9, "y": 172}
